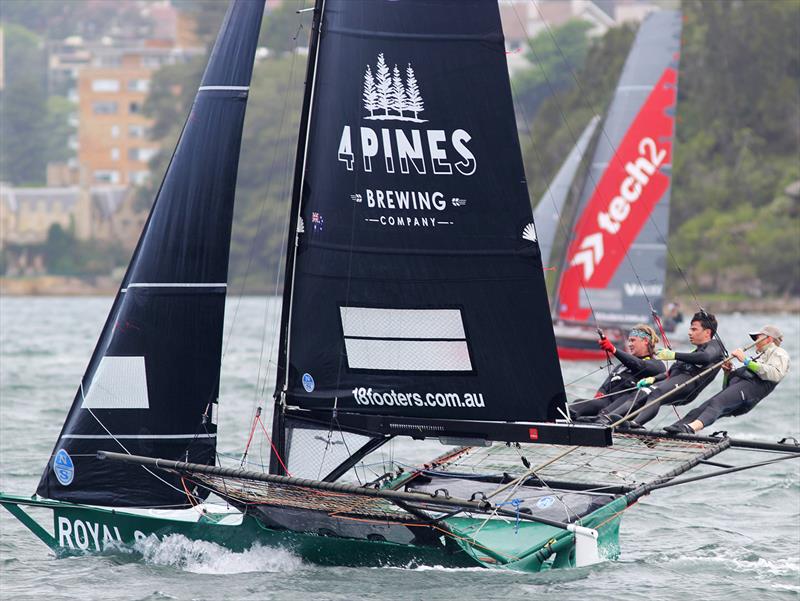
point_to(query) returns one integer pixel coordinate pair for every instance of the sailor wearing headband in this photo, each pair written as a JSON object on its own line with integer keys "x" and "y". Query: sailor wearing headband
{"x": 742, "y": 388}
{"x": 620, "y": 386}
{"x": 683, "y": 373}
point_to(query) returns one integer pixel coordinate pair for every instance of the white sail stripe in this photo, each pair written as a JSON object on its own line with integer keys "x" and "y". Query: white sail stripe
{"x": 234, "y": 88}
{"x": 174, "y": 285}
{"x": 635, "y": 88}
{"x": 408, "y": 355}
{"x": 369, "y": 322}
{"x": 177, "y": 285}
{"x": 139, "y": 436}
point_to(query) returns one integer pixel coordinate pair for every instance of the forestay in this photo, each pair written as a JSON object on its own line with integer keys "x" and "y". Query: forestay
{"x": 152, "y": 383}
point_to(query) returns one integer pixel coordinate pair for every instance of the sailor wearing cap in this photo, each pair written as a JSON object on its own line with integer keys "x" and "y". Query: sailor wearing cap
{"x": 742, "y": 388}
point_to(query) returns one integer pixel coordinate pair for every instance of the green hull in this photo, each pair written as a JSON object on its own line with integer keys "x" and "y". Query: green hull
{"x": 527, "y": 546}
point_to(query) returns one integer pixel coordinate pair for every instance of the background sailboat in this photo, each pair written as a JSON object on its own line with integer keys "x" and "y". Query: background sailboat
{"x": 613, "y": 269}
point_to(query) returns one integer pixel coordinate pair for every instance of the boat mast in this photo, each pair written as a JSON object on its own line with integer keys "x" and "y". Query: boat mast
{"x": 293, "y": 241}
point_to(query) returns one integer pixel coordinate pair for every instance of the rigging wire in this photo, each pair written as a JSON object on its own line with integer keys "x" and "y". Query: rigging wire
{"x": 561, "y": 224}
{"x": 615, "y": 157}
{"x": 256, "y": 409}
{"x": 123, "y": 447}
{"x": 560, "y": 221}
{"x": 589, "y": 172}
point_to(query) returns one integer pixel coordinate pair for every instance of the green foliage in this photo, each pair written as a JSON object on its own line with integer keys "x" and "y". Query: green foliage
{"x": 733, "y": 229}
{"x": 738, "y": 146}
{"x": 22, "y": 108}
{"x": 51, "y": 17}
{"x": 33, "y": 127}
{"x": 66, "y": 255}
{"x": 283, "y": 27}
{"x": 265, "y": 173}
{"x": 266, "y": 162}
{"x": 555, "y": 54}
{"x": 561, "y": 117}
{"x": 60, "y": 251}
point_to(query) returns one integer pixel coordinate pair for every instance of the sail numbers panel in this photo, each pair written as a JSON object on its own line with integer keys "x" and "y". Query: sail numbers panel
{"x": 405, "y": 339}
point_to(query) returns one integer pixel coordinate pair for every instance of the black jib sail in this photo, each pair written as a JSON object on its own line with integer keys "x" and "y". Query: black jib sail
{"x": 415, "y": 301}
{"x": 152, "y": 383}
{"x": 624, "y": 204}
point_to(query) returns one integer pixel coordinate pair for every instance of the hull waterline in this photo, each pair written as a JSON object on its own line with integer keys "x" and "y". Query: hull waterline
{"x": 500, "y": 544}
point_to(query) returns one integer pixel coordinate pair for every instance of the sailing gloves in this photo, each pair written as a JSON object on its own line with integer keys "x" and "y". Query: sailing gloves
{"x": 751, "y": 365}
{"x": 645, "y": 382}
{"x": 605, "y": 344}
{"x": 665, "y": 354}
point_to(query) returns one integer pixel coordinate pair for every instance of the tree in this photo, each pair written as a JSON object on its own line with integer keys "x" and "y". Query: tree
{"x": 23, "y": 109}
{"x": 370, "y": 94}
{"x": 398, "y": 94}
{"x": 284, "y": 29}
{"x": 556, "y": 55}
{"x": 60, "y": 251}
{"x": 737, "y": 148}
{"x": 384, "y": 85}
{"x": 413, "y": 99}
{"x": 563, "y": 115}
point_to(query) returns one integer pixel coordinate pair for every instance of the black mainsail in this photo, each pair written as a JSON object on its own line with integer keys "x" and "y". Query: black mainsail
{"x": 152, "y": 383}
{"x": 415, "y": 302}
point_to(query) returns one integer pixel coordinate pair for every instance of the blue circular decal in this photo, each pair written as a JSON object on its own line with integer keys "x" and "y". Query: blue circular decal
{"x": 308, "y": 382}
{"x": 545, "y": 502}
{"x": 63, "y": 467}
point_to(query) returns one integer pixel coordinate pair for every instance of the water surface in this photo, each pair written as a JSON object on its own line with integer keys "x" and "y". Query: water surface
{"x": 734, "y": 537}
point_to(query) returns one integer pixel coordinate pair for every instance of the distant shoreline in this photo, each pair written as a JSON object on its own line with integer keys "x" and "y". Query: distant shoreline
{"x": 53, "y": 285}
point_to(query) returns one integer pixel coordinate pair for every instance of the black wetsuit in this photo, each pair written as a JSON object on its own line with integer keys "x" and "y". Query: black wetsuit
{"x": 686, "y": 367}
{"x": 741, "y": 392}
{"x": 630, "y": 370}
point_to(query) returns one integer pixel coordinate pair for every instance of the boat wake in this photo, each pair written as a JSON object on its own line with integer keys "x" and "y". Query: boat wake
{"x": 745, "y": 561}
{"x": 201, "y": 557}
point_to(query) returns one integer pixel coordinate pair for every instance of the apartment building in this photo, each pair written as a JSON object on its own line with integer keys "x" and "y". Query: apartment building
{"x": 113, "y": 145}
{"x": 108, "y": 80}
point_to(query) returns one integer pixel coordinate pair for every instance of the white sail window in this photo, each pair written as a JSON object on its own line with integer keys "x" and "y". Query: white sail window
{"x": 405, "y": 339}
{"x": 408, "y": 355}
{"x": 402, "y": 323}
{"x": 118, "y": 383}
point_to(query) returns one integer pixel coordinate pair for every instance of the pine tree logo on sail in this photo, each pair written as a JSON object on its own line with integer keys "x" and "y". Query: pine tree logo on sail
{"x": 394, "y": 95}
{"x": 386, "y": 92}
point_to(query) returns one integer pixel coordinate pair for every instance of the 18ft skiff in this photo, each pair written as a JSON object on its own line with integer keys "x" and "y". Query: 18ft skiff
{"x": 414, "y": 307}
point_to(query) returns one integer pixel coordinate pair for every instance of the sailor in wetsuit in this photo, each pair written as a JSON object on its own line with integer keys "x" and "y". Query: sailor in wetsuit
{"x": 744, "y": 387}
{"x": 708, "y": 351}
{"x": 636, "y": 364}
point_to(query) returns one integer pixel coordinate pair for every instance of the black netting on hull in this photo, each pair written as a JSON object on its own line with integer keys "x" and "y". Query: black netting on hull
{"x": 250, "y": 492}
{"x": 631, "y": 461}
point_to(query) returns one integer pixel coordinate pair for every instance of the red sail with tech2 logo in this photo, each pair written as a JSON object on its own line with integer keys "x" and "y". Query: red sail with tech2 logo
{"x": 624, "y": 204}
